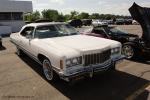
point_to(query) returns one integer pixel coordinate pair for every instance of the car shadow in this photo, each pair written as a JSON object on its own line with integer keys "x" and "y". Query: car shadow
{"x": 142, "y": 59}
{"x": 112, "y": 86}
{"x": 2, "y": 48}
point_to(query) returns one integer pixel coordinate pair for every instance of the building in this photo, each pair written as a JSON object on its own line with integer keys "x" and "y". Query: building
{"x": 11, "y": 15}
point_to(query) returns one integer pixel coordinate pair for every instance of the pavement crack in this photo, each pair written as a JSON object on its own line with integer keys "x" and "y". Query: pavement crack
{"x": 142, "y": 73}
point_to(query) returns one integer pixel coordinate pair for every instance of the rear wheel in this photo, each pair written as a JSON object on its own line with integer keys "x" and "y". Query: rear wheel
{"x": 128, "y": 51}
{"x": 48, "y": 71}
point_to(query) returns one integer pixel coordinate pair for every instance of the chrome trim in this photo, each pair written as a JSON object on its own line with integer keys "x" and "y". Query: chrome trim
{"x": 96, "y": 68}
{"x": 96, "y": 58}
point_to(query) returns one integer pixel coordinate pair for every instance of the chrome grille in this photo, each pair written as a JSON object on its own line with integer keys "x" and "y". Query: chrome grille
{"x": 97, "y": 58}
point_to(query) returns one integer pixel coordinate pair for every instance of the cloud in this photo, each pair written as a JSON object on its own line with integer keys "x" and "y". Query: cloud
{"x": 91, "y": 6}
{"x": 61, "y": 2}
{"x": 102, "y": 2}
{"x": 145, "y": 4}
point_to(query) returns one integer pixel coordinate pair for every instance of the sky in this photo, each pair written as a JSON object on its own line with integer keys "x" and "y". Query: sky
{"x": 117, "y": 7}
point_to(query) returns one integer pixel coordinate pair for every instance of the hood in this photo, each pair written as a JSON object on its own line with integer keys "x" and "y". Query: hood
{"x": 142, "y": 15}
{"x": 123, "y": 34}
{"x": 80, "y": 44}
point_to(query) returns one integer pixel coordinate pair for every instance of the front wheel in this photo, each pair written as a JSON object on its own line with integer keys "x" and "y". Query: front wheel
{"x": 1, "y": 44}
{"x": 48, "y": 71}
{"x": 128, "y": 51}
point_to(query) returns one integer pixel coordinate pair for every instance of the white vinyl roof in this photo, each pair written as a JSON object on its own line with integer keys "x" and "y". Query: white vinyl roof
{"x": 44, "y": 23}
{"x": 16, "y": 6}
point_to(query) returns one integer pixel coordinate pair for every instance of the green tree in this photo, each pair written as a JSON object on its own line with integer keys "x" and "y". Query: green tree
{"x": 95, "y": 16}
{"x": 32, "y": 16}
{"x": 36, "y": 15}
{"x": 61, "y": 18}
{"x": 83, "y": 15}
{"x": 67, "y": 17}
{"x": 50, "y": 14}
{"x": 74, "y": 14}
{"x": 27, "y": 17}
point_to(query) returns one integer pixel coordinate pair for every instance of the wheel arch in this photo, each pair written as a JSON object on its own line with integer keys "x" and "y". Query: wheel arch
{"x": 133, "y": 44}
{"x": 41, "y": 57}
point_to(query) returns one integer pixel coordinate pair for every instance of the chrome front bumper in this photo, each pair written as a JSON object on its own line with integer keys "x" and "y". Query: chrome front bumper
{"x": 92, "y": 69}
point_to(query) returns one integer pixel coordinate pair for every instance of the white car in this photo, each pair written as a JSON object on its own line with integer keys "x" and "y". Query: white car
{"x": 63, "y": 52}
{"x": 99, "y": 23}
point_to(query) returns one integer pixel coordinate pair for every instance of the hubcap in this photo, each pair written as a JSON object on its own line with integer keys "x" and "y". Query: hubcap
{"x": 48, "y": 72}
{"x": 128, "y": 51}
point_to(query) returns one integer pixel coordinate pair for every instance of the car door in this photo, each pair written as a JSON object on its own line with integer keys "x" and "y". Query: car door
{"x": 25, "y": 37}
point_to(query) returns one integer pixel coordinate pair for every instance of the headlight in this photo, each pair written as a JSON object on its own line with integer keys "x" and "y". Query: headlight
{"x": 115, "y": 50}
{"x": 73, "y": 61}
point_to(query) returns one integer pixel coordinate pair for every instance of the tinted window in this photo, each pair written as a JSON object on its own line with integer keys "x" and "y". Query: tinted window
{"x": 46, "y": 31}
{"x": 54, "y": 31}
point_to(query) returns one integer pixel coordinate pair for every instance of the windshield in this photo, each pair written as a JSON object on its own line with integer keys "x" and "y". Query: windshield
{"x": 114, "y": 31}
{"x": 59, "y": 30}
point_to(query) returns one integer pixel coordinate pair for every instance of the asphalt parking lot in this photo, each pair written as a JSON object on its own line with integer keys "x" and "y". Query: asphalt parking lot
{"x": 22, "y": 79}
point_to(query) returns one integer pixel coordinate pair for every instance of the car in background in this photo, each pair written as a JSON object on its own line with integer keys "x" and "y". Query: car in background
{"x": 120, "y": 21}
{"x": 76, "y": 23}
{"x": 98, "y": 23}
{"x": 133, "y": 46}
{"x": 128, "y": 21}
{"x": 1, "y": 42}
{"x": 111, "y": 32}
{"x": 114, "y": 33}
{"x": 87, "y": 22}
{"x": 110, "y": 22}
{"x": 134, "y": 22}
{"x": 140, "y": 46}
{"x": 64, "y": 53}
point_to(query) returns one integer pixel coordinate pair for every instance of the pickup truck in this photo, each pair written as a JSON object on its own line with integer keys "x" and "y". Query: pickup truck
{"x": 64, "y": 53}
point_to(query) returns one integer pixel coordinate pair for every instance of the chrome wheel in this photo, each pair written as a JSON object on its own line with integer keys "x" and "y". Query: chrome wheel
{"x": 47, "y": 69}
{"x": 128, "y": 51}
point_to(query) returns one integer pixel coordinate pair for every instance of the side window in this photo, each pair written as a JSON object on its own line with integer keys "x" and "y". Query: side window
{"x": 46, "y": 31}
{"x": 28, "y": 31}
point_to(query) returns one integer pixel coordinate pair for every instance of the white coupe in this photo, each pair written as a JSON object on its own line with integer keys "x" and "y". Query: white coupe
{"x": 63, "y": 52}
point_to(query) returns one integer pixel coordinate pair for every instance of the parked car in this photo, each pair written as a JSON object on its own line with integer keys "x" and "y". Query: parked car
{"x": 114, "y": 33}
{"x": 1, "y": 42}
{"x": 87, "y": 22}
{"x": 140, "y": 46}
{"x": 111, "y": 32}
{"x": 63, "y": 52}
{"x": 120, "y": 21}
{"x": 110, "y": 22}
{"x": 99, "y": 23}
{"x": 76, "y": 23}
{"x": 128, "y": 21}
{"x": 134, "y": 22}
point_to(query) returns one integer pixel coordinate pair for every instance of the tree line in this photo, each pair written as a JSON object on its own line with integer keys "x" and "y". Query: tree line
{"x": 54, "y": 15}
